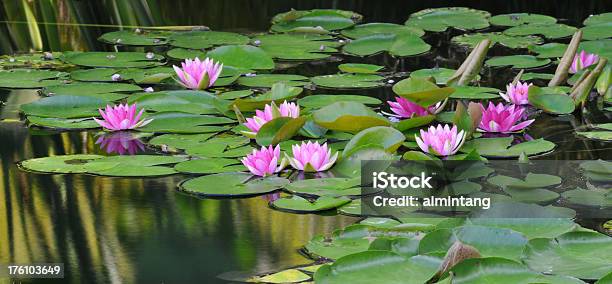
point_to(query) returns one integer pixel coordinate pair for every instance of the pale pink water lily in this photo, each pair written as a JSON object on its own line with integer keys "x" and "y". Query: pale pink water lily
{"x": 198, "y": 75}
{"x": 440, "y": 140}
{"x": 502, "y": 118}
{"x": 265, "y": 161}
{"x": 121, "y": 117}
{"x": 121, "y": 143}
{"x": 583, "y": 60}
{"x": 517, "y": 94}
{"x": 311, "y": 157}
{"x": 271, "y": 111}
{"x": 403, "y": 108}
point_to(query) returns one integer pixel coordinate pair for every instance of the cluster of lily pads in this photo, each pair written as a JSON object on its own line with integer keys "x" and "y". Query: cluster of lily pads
{"x": 219, "y": 105}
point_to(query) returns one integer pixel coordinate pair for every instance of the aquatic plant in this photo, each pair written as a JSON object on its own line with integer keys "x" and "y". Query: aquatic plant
{"x": 311, "y": 157}
{"x": 198, "y": 75}
{"x": 265, "y": 161}
{"x": 502, "y": 118}
{"x": 121, "y": 117}
{"x": 517, "y": 93}
{"x": 583, "y": 60}
{"x": 403, "y": 108}
{"x": 441, "y": 140}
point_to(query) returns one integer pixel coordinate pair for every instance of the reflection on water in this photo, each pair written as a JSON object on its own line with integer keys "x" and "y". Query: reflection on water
{"x": 122, "y": 143}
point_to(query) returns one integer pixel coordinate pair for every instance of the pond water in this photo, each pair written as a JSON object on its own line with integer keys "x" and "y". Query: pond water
{"x": 143, "y": 230}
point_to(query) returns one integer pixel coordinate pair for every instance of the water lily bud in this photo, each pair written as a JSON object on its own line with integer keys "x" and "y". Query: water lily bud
{"x": 391, "y": 81}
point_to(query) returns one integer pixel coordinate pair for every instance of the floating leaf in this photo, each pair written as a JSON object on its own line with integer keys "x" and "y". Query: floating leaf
{"x": 471, "y": 40}
{"x": 550, "y": 31}
{"x": 585, "y": 255}
{"x": 328, "y": 20}
{"x": 180, "y": 122}
{"x": 474, "y": 93}
{"x": 533, "y": 76}
{"x": 232, "y": 184}
{"x": 183, "y": 53}
{"x": 598, "y": 135}
{"x": 112, "y": 59}
{"x": 348, "y": 81}
{"x": 297, "y": 46}
{"x": 144, "y": 38}
{"x": 387, "y": 138}
{"x": 369, "y": 29}
{"x": 62, "y": 123}
{"x": 414, "y": 122}
{"x": 319, "y": 101}
{"x": 205, "y": 39}
{"x": 501, "y": 147}
{"x": 549, "y": 50}
{"x": 285, "y": 276}
{"x": 516, "y": 19}
{"x": 441, "y": 75}
{"x": 599, "y": 198}
{"x": 348, "y": 117}
{"x": 267, "y": 80}
{"x": 551, "y": 102}
{"x": 29, "y": 79}
{"x": 530, "y": 227}
{"x": 67, "y": 164}
{"x": 397, "y": 45}
{"x": 421, "y": 91}
{"x": 104, "y": 91}
{"x": 278, "y": 94}
{"x": 242, "y": 56}
{"x": 209, "y": 166}
{"x": 326, "y": 187}
{"x": 598, "y": 31}
{"x": 64, "y": 107}
{"x": 278, "y": 130}
{"x": 141, "y": 76}
{"x": 360, "y": 68}
{"x": 302, "y": 205}
{"x": 439, "y": 19}
{"x": 195, "y": 102}
{"x": 517, "y": 61}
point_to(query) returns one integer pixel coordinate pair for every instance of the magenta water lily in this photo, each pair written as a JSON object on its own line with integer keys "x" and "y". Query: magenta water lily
{"x": 441, "y": 140}
{"x": 265, "y": 161}
{"x": 517, "y": 94}
{"x": 121, "y": 117}
{"x": 271, "y": 111}
{"x": 583, "y": 60}
{"x": 311, "y": 157}
{"x": 502, "y": 118}
{"x": 198, "y": 75}
{"x": 403, "y": 108}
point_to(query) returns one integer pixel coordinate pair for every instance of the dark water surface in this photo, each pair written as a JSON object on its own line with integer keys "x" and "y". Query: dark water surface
{"x": 142, "y": 230}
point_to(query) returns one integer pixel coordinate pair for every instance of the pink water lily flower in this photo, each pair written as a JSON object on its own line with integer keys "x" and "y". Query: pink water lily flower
{"x": 517, "y": 94}
{"x": 121, "y": 143}
{"x": 583, "y": 60}
{"x": 270, "y": 112}
{"x": 440, "y": 140}
{"x": 198, "y": 75}
{"x": 312, "y": 157}
{"x": 265, "y": 161}
{"x": 121, "y": 117}
{"x": 502, "y": 118}
{"x": 403, "y": 108}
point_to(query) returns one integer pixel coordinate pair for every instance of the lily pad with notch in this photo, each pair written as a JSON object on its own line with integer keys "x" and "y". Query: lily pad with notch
{"x": 348, "y": 81}
{"x": 232, "y": 185}
{"x": 299, "y": 204}
{"x": 516, "y": 19}
{"x": 29, "y": 78}
{"x": 326, "y": 187}
{"x": 396, "y": 45}
{"x": 471, "y": 40}
{"x": 550, "y": 31}
{"x": 369, "y": 29}
{"x": 242, "y": 57}
{"x": 64, "y": 107}
{"x": 502, "y": 147}
{"x": 205, "y": 39}
{"x": 105, "y": 91}
{"x": 142, "y": 38}
{"x": 112, "y": 59}
{"x": 320, "y": 100}
{"x": 326, "y": 19}
{"x": 440, "y": 19}
{"x": 348, "y": 117}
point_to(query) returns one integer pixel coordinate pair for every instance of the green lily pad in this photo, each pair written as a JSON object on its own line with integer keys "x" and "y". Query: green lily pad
{"x": 133, "y": 166}
{"x": 348, "y": 81}
{"x": 66, "y": 164}
{"x": 501, "y": 147}
{"x": 549, "y": 50}
{"x": 285, "y": 276}
{"x": 550, "y": 31}
{"x": 194, "y": 102}
{"x": 516, "y": 19}
{"x": 530, "y": 227}
{"x": 242, "y": 57}
{"x": 36, "y": 60}
{"x": 205, "y": 39}
{"x": 585, "y": 255}
{"x": 351, "y": 209}
{"x": 378, "y": 266}
{"x": 597, "y": 166}
{"x": 600, "y": 198}
{"x": 348, "y": 117}
{"x": 397, "y": 45}
{"x": 474, "y": 93}
{"x": 387, "y": 138}
{"x": 143, "y": 38}
{"x": 155, "y": 75}
{"x": 551, "y": 102}
{"x": 598, "y": 19}
{"x": 441, "y": 75}
{"x": 210, "y": 166}
{"x": 531, "y": 181}
{"x": 517, "y": 61}
{"x": 360, "y": 68}
{"x": 532, "y": 76}
{"x": 598, "y": 135}
{"x": 112, "y": 59}
{"x": 104, "y": 91}
{"x": 185, "y": 53}
{"x": 319, "y": 101}
{"x": 232, "y": 185}
{"x": 297, "y": 46}
{"x": 598, "y": 31}
{"x": 278, "y": 130}
{"x": 29, "y": 79}
{"x": 64, "y": 107}
{"x": 218, "y": 147}
{"x": 328, "y": 20}
{"x": 421, "y": 91}
{"x": 180, "y": 122}
{"x": 440, "y": 19}
{"x": 279, "y": 93}
{"x": 471, "y": 40}
{"x": 489, "y": 241}
{"x": 326, "y": 187}
{"x": 267, "y": 80}
{"x": 600, "y": 47}
{"x": 62, "y": 123}
{"x": 182, "y": 141}
{"x": 414, "y": 122}
{"x": 301, "y": 205}
{"x": 369, "y": 29}
{"x": 351, "y": 166}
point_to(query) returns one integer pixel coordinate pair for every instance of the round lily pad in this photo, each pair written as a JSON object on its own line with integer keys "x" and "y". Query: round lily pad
{"x": 530, "y": 227}
{"x": 297, "y": 46}
{"x": 517, "y": 61}
{"x": 299, "y": 204}
{"x": 29, "y": 79}
{"x": 209, "y": 166}
{"x": 62, "y": 123}
{"x": 142, "y": 38}
{"x": 205, "y": 39}
{"x": 242, "y": 56}
{"x": 195, "y": 102}
{"x": 133, "y": 166}
{"x": 348, "y": 81}
{"x": 360, "y": 68}
{"x": 319, "y": 101}
{"x": 267, "y": 80}
{"x": 397, "y": 45}
{"x": 184, "y": 53}
{"x": 348, "y": 117}
{"x": 64, "y": 107}
{"x": 549, "y": 50}
{"x": 599, "y": 198}
{"x": 327, "y": 20}
{"x": 104, "y": 91}
{"x": 471, "y": 40}
{"x": 598, "y": 31}
{"x": 550, "y": 31}
{"x": 388, "y": 138}
{"x": 516, "y": 19}
{"x": 180, "y": 122}
{"x": 67, "y": 164}
{"x": 501, "y": 147}
{"x": 112, "y": 59}
{"x": 141, "y": 76}
{"x": 369, "y": 29}
{"x": 441, "y": 75}
{"x": 474, "y": 93}
{"x": 232, "y": 185}
{"x": 440, "y": 19}
{"x": 326, "y": 187}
